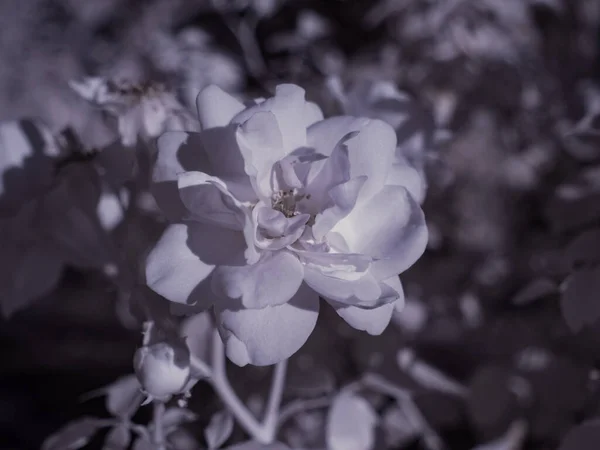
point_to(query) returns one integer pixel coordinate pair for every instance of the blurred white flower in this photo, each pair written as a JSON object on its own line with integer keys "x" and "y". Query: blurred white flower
{"x": 163, "y": 368}
{"x": 276, "y": 207}
{"x": 201, "y": 65}
{"x": 500, "y": 30}
{"x": 310, "y": 27}
{"x": 144, "y": 110}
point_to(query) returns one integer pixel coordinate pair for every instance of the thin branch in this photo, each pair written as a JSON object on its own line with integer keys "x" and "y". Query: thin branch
{"x": 275, "y": 395}
{"x": 220, "y": 383}
{"x": 380, "y": 384}
{"x": 159, "y": 432}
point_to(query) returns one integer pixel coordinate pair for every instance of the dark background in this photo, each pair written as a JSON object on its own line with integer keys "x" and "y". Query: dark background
{"x": 493, "y": 235}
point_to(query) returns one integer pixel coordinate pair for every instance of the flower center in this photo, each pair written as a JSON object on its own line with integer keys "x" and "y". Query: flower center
{"x": 285, "y": 202}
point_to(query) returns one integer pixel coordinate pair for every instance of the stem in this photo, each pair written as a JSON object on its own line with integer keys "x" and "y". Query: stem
{"x": 380, "y": 384}
{"x": 275, "y": 395}
{"x": 405, "y": 401}
{"x": 266, "y": 431}
{"x": 221, "y": 385}
{"x": 246, "y": 35}
{"x": 159, "y": 435}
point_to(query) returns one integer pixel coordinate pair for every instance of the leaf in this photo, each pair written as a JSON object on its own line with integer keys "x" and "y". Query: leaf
{"x": 74, "y": 435}
{"x": 27, "y": 149}
{"x": 584, "y": 249}
{"x": 219, "y": 429}
{"x": 117, "y": 439}
{"x": 116, "y": 164}
{"x": 69, "y": 212}
{"x": 568, "y": 215}
{"x": 580, "y": 303}
{"x": 182, "y": 439}
{"x": 351, "y": 424}
{"x": 491, "y": 405}
{"x": 428, "y": 376}
{"x": 582, "y": 437}
{"x": 174, "y": 417}
{"x": 123, "y": 397}
{"x": 535, "y": 290}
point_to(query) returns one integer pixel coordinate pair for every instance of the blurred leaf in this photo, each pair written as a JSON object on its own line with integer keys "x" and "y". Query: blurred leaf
{"x": 116, "y": 164}
{"x": 559, "y": 392}
{"x": 74, "y": 435}
{"x": 351, "y": 424}
{"x": 27, "y": 149}
{"x": 123, "y": 397}
{"x": 28, "y": 271}
{"x": 568, "y": 215}
{"x": 580, "y": 302}
{"x": 427, "y": 375}
{"x": 491, "y": 405}
{"x": 535, "y": 290}
{"x": 582, "y": 437}
{"x": 219, "y": 429}
{"x": 112, "y": 207}
{"x": 117, "y": 439}
{"x": 584, "y": 249}
{"x": 69, "y": 212}
{"x": 174, "y": 417}
{"x": 182, "y": 439}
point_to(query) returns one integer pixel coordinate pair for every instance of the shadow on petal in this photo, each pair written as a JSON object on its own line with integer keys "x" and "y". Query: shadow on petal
{"x": 178, "y": 152}
{"x": 373, "y": 320}
{"x": 174, "y": 271}
{"x": 267, "y": 336}
{"x": 273, "y": 280}
{"x": 216, "y": 245}
{"x": 398, "y": 237}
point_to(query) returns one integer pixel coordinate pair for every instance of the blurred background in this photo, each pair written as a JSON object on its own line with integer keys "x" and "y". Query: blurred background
{"x": 504, "y": 105}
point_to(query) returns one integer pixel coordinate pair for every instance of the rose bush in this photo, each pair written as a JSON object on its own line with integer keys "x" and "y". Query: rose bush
{"x": 274, "y": 206}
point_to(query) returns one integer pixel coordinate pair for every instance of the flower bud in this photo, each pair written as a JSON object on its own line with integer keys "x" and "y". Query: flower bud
{"x": 163, "y": 369}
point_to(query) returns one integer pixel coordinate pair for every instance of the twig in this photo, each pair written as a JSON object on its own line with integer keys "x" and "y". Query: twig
{"x": 276, "y": 393}
{"x": 159, "y": 434}
{"x": 220, "y": 383}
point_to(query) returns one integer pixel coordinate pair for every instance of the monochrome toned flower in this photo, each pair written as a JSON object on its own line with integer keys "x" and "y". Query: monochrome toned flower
{"x": 415, "y": 128}
{"x": 163, "y": 368}
{"x": 145, "y": 110}
{"x": 275, "y": 206}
